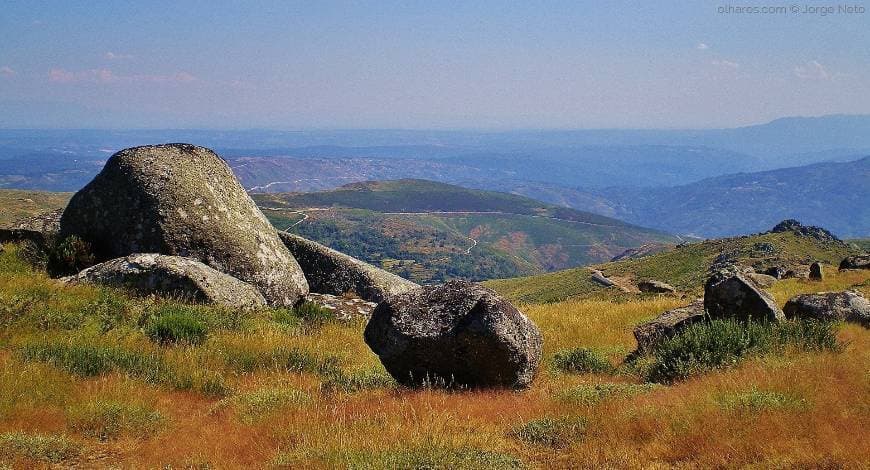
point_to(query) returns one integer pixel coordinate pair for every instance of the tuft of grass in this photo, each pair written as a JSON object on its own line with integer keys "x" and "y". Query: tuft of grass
{"x": 246, "y": 359}
{"x": 755, "y": 400}
{"x": 89, "y": 360}
{"x": 307, "y": 314}
{"x": 264, "y": 401}
{"x": 177, "y": 327}
{"x": 435, "y": 457}
{"x": 47, "y": 448}
{"x": 108, "y": 419}
{"x": 356, "y": 381}
{"x": 591, "y": 394}
{"x": 720, "y": 344}
{"x": 550, "y": 432}
{"x": 581, "y": 360}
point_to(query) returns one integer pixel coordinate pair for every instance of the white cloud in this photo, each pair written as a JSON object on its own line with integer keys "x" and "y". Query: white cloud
{"x": 7, "y": 71}
{"x": 116, "y": 56}
{"x": 725, "y": 64}
{"x": 702, "y": 47}
{"x": 812, "y": 70}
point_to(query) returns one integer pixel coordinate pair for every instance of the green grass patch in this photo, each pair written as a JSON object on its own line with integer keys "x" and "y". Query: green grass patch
{"x": 550, "y": 432}
{"x": 350, "y": 382}
{"x": 723, "y": 343}
{"x": 755, "y": 400}
{"x": 46, "y": 448}
{"x": 108, "y": 419}
{"x": 177, "y": 328}
{"x": 581, "y": 360}
{"x": 592, "y": 394}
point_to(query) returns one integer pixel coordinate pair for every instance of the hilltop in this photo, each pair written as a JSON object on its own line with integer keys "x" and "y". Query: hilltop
{"x": 429, "y": 231}
{"x": 684, "y": 267}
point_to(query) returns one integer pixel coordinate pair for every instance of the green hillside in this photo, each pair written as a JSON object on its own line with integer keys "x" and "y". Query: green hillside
{"x": 20, "y": 204}
{"x": 431, "y": 232}
{"x": 684, "y": 267}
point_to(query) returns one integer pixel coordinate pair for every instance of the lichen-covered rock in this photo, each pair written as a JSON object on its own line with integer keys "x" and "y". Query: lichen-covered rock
{"x": 667, "y": 324}
{"x": 731, "y": 295}
{"x": 344, "y": 307}
{"x": 846, "y": 306}
{"x": 656, "y": 287}
{"x": 331, "y": 272}
{"x": 856, "y": 262}
{"x": 171, "y": 276}
{"x": 816, "y": 273}
{"x": 183, "y": 200}
{"x": 762, "y": 280}
{"x": 456, "y": 334}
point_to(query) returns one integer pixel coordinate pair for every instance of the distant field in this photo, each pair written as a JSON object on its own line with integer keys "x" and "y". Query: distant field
{"x": 684, "y": 267}
{"x": 861, "y": 243}
{"x": 82, "y": 384}
{"x": 19, "y": 204}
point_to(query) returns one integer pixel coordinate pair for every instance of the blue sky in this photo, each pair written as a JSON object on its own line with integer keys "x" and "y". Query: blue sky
{"x": 484, "y": 65}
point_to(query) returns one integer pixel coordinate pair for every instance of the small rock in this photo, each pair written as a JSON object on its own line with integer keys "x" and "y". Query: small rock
{"x": 856, "y": 262}
{"x": 667, "y": 324}
{"x": 171, "y": 276}
{"x": 777, "y": 272}
{"x": 845, "y": 306}
{"x": 600, "y": 278}
{"x": 656, "y": 287}
{"x": 816, "y": 273}
{"x": 730, "y": 295}
{"x": 456, "y": 334}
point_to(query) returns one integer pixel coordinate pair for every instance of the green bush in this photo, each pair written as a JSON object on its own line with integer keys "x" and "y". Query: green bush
{"x": 69, "y": 256}
{"x": 722, "y": 343}
{"x": 177, "y": 327}
{"x": 550, "y": 432}
{"x": 581, "y": 360}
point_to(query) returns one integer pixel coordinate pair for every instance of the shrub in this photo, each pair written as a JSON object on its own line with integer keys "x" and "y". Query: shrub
{"x": 109, "y": 419}
{"x": 550, "y": 432}
{"x": 581, "y": 360}
{"x": 52, "y": 449}
{"x": 69, "y": 256}
{"x": 176, "y": 327}
{"x": 722, "y": 343}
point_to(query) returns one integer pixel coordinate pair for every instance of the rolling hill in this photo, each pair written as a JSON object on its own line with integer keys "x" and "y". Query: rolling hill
{"x": 429, "y": 231}
{"x": 684, "y": 267}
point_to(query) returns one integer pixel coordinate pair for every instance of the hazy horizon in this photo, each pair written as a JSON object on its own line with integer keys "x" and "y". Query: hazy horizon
{"x": 387, "y": 65}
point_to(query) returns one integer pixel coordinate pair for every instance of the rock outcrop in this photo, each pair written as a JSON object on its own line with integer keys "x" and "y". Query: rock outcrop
{"x": 456, "y": 334}
{"x": 171, "y": 276}
{"x": 344, "y": 307}
{"x": 599, "y": 278}
{"x": 762, "y": 280}
{"x": 183, "y": 200}
{"x": 331, "y": 272}
{"x": 855, "y": 262}
{"x": 39, "y": 229}
{"x": 656, "y": 287}
{"x": 845, "y": 306}
{"x": 791, "y": 225}
{"x": 731, "y": 295}
{"x": 667, "y": 324}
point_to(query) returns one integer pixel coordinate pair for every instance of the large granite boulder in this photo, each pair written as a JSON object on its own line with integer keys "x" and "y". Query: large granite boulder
{"x": 183, "y": 200}
{"x": 856, "y": 262}
{"x": 729, "y": 294}
{"x": 846, "y": 306}
{"x": 457, "y": 334}
{"x": 171, "y": 276}
{"x": 667, "y": 324}
{"x": 331, "y": 272}
{"x": 816, "y": 273}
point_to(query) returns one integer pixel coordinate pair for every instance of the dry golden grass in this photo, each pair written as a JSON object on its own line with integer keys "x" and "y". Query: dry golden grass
{"x": 800, "y": 410}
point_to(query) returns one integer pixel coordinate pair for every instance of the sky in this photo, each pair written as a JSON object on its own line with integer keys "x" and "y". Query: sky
{"x": 427, "y": 65}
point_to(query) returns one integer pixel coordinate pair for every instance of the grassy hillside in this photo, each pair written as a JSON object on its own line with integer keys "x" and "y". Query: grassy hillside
{"x": 85, "y": 383}
{"x": 430, "y": 232}
{"x": 684, "y": 267}
{"x": 20, "y": 204}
